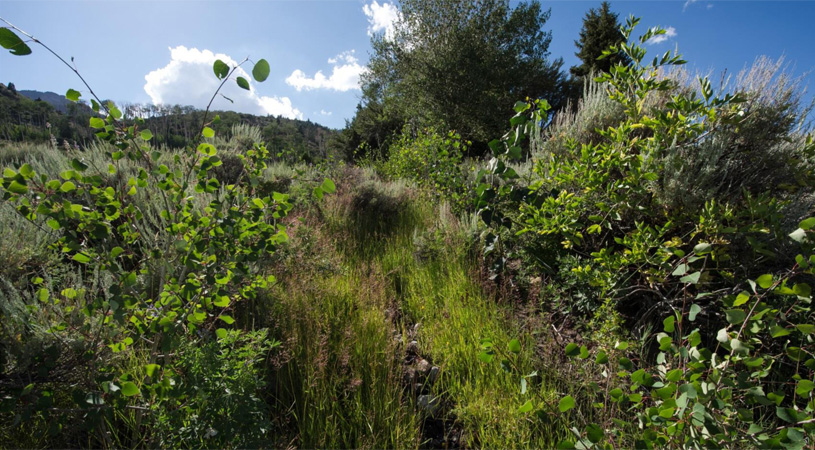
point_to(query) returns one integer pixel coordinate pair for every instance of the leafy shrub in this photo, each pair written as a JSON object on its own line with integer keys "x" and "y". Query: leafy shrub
{"x": 215, "y": 401}
{"x": 230, "y": 170}
{"x": 674, "y": 267}
{"x": 162, "y": 251}
{"x": 433, "y": 162}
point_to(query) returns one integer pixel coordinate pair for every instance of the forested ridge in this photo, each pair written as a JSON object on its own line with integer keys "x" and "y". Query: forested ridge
{"x": 497, "y": 251}
{"x": 27, "y": 117}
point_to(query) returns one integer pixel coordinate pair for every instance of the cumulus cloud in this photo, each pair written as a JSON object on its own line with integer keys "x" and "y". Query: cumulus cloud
{"x": 344, "y": 75}
{"x": 381, "y": 18}
{"x": 670, "y": 32}
{"x": 188, "y": 80}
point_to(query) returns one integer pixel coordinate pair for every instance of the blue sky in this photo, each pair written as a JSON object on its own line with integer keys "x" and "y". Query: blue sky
{"x": 162, "y": 51}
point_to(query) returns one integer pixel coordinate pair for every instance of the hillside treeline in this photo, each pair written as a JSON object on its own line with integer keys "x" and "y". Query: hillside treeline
{"x": 36, "y": 121}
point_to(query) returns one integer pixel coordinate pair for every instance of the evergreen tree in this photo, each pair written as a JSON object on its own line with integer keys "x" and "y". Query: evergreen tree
{"x": 600, "y": 31}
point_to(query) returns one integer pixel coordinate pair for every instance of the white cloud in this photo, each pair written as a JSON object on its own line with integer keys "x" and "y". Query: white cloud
{"x": 188, "y": 79}
{"x": 688, "y": 3}
{"x": 344, "y": 75}
{"x": 669, "y": 33}
{"x": 325, "y": 113}
{"x": 381, "y": 18}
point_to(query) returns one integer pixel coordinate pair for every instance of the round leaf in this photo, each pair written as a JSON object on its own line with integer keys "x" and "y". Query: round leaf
{"x": 129, "y": 389}
{"x": 220, "y": 68}
{"x": 13, "y": 43}
{"x": 72, "y": 95}
{"x": 261, "y": 70}
{"x": 515, "y": 346}
{"x": 566, "y": 403}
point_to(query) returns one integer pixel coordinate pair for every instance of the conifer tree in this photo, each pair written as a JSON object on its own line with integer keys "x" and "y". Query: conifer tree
{"x": 600, "y": 31}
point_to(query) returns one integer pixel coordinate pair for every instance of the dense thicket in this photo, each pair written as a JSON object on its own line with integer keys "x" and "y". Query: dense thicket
{"x": 635, "y": 272}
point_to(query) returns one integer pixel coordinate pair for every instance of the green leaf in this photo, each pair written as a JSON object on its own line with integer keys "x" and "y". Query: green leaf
{"x": 702, "y": 248}
{"x": 26, "y": 171}
{"x": 741, "y": 299}
{"x": 735, "y": 316}
{"x": 802, "y": 290}
{"x": 228, "y": 319}
{"x": 79, "y": 165}
{"x": 668, "y": 323}
{"x": 515, "y": 346}
{"x": 526, "y": 407}
{"x": 804, "y": 387}
{"x": 694, "y": 311}
{"x": 114, "y": 111}
{"x": 765, "y": 281}
{"x": 778, "y": 331}
{"x": 243, "y": 83}
{"x": 72, "y": 95}
{"x": 692, "y": 278}
{"x": 594, "y": 432}
{"x": 220, "y": 333}
{"x": 151, "y": 369}
{"x": 220, "y": 68}
{"x": 486, "y": 356}
{"x": 681, "y": 269}
{"x": 566, "y": 403}
{"x": 17, "y": 188}
{"x": 97, "y": 122}
{"x": 261, "y": 70}
{"x": 674, "y": 375}
{"x": 81, "y": 258}
{"x": 129, "y": 389}
{"x": 807, "y": 224}
{"x": 328, "y": 186}
{"x": 130, "y": 279}
{"x": 13, "y": 43}
{"x": 146, "y": 135}
{"x": 806, "y": 328}
{"x": 572, "y": 349}
{"x": 208, "y": 132}
{"x": 67, "y": 186}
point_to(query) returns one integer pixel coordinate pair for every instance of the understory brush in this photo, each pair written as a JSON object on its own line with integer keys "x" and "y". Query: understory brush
{"x": 673, "y": 213}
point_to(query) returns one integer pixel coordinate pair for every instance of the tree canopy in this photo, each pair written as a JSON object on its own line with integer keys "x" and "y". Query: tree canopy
{"x": 601, "y": 29}
{"x": 462, "y": 64}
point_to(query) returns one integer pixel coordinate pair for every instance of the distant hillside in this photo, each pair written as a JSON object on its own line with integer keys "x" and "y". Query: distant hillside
{"x": 59, "y": 102}
{"x": 34, "y": 116}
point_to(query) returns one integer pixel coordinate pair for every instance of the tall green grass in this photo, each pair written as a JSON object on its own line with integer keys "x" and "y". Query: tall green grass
{"x": 347, "y": 332}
